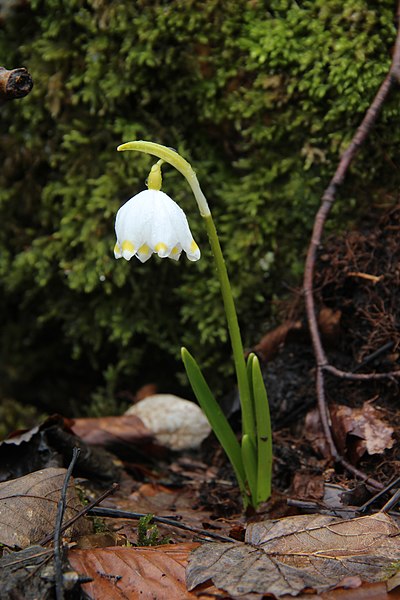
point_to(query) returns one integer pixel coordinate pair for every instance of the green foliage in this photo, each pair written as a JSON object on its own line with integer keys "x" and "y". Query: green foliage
{"x": 218, "y": 421}
{"x": 261, "y": 96}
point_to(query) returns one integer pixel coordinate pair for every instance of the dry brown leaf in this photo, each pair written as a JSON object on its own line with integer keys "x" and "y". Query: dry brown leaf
{"x": 367, "y": 431}
{"x": 394, "y": 582}
{"x": 269, "y": 345}
{"x": 28, "y": 507}
{"x": 308, "y": 486}
{"x": 356, "y": 431}
{"x": 106, "y": 431}
{"x": 134, "y": 573}
{"x": 50, "y": 444}
{"x": 367, "y": 591}
{"x": 329, "y": 325}
{"x": 100, "y": 540}
{"x": 290, "y": 555}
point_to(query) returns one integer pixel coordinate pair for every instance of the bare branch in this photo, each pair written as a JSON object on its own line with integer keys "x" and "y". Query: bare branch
{"x": 328, "y": 199}
{"x": 16, "y": 83}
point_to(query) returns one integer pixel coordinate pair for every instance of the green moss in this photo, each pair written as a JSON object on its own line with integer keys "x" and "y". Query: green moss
{"x": 260, "y": 96}
{"x": 148, "y": 533}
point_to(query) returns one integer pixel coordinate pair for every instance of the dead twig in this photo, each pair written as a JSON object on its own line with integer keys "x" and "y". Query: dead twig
{"x": 57, "y": 532}
{"x": 14, "y": 84}
{"x": 385, "y": 348}
{"x": 395, "y": 499}
{"x": 125, "y": 514}
{"x": 81, "y": 513}
{"x": 327, "y": 202}
{"x": 360, "y": 376}
{"x": 379, "y": 495}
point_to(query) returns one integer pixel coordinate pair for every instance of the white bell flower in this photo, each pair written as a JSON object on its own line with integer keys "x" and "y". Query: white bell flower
{"x": 152, "y": 222}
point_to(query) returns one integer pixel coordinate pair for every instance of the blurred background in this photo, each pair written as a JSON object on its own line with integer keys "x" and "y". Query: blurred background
{"x": 260, "y": 96}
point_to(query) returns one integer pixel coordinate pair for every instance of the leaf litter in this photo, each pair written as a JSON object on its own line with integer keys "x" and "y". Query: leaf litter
{"x": 294, "y": 554}
{"x": 28, "y": 507}
{"x": 135, "y": 573}
{"x": 288, "y": 557}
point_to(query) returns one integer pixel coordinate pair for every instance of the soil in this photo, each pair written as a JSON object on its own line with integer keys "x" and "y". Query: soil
{"x": 356, "y": 292}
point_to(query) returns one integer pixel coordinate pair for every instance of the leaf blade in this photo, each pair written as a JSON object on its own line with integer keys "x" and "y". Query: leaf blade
{"x": 264, "y": 434}
{"x": 215, "y": 416}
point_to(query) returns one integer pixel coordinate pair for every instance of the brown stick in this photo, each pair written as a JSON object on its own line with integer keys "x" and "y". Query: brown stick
{"x": 59, "y": 579}
{"x": 81, "y": 513}
{"x": 16, "y": 83}
{"x": 124, "y": 514}
{"x": 328, "y": 199}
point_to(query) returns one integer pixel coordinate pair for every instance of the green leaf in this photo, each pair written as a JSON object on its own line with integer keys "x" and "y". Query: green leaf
{"x": 249, "y": 368}
{"x": 249, "y": 456}
{"x": 215, "y": 416}
{"x": 264, "y": 434}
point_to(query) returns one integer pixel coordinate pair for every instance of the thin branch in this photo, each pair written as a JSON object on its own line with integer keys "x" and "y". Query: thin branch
{"x": 81, "y": 513}
{"x": 57, "y": 532}
{"x": 379, "y": 495}
{"x": 395, "y": 499}
{"x": 327, "y": 202}
{"x": 124, "y": 514}
{"x": 360, "y": 376}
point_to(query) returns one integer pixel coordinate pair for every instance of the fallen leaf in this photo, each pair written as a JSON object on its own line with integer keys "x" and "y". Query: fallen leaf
{"x": 308, "y": 486}
{"x": 367, "y": 591}
{"x": 360, "y": 430}
{"x": 336, "y": 500}
{"x": 269, "y": 345}
{"x": 288, "y": 556}
{"x": 28, "y": 507}
{"x": 125, "y": 430}
{"x": 356, "y": 431}
{"x": 394, "y": 582}
{"x": 176, "y": 423}
{"x": 100, "y": 540}
{"x": 50, "y": 445}
{"x": 329, "y": 325}
{"x": 134, "y": 573}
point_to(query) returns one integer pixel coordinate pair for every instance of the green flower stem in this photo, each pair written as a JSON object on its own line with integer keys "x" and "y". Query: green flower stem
{"x": 174, "y": 159}
{"x": 248, "y": 418}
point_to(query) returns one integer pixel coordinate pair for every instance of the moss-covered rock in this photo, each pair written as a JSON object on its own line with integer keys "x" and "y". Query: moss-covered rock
{"x": 260, "y": 96}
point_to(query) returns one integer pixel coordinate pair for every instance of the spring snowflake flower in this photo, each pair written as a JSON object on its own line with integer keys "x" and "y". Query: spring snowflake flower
{"x": 151, "y": 222}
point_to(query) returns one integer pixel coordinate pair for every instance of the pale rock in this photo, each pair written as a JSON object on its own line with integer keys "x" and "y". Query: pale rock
{"x": 176, "y": 423}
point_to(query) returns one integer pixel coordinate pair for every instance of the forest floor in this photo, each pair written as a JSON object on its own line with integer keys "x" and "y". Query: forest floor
{"x": 116, "y": 550}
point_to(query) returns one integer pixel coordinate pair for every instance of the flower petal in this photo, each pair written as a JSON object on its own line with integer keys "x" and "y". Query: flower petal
{"x": 128, "y": 249}
{"x": 175, "y": 252}
{"x": 117, "y": 251}
{"x": 144, "y": 253}
{"x": 193, "y": 253}
{"x": 152, "y": 222}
